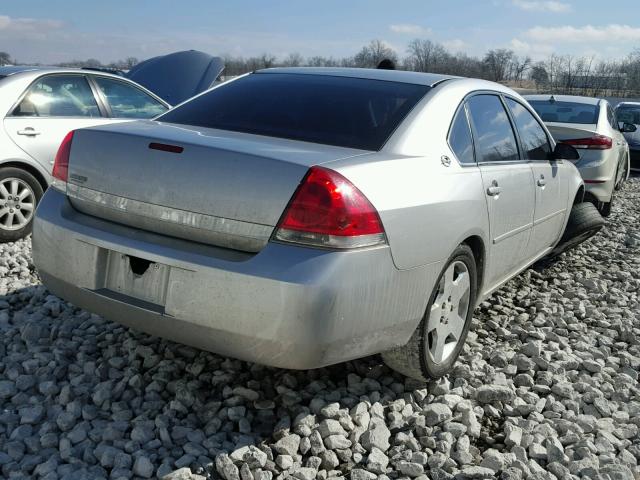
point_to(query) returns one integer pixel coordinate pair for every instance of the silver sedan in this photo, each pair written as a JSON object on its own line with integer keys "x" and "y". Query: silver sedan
{"x": 304, "y": 217}
{"x": 39, "y": 106}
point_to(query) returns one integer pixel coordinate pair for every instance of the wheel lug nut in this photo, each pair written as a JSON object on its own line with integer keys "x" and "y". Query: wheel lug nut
{"x": 11, "y": 210}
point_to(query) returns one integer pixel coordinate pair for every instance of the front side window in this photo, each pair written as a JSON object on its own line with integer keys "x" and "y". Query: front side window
{"x": 460, "y": 138}
{"x": 127, "y": 101}
{"x": 332, "y": 110}
{"x": 533, "y": 137}
{"x": 494, "y": 137}
{"x": 58, "y": 96}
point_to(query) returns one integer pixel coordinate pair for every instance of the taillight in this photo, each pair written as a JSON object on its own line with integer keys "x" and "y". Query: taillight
{"x": 61, "y": 164}
{"x": 597, "y": 142}
{"x": 329, "y": 211}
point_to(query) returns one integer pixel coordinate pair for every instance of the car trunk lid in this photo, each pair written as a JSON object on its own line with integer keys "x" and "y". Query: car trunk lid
{"x": 217, "y": 187}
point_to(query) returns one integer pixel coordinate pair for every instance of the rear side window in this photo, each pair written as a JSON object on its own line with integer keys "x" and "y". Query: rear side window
{"x": 460, "y": 138}
{"x": 494, "y": 137}
{"x": 566, "y": 112}
{"x": 127, "y": 101}
{"x": 58, "y": 96}
{"x": 533, "y": 137}
{"x": 343, "y": 111}
{"x": 611, "y": 117}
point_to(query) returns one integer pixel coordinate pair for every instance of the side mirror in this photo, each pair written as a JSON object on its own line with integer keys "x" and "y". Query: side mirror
{"x": 564, "y": 151}
{"x": 628, "y": 128}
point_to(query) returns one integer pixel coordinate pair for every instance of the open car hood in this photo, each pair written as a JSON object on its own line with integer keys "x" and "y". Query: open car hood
{"x": 177, "y": 76}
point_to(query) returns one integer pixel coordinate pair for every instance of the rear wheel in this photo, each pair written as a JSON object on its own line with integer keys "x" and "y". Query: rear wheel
{"x": 20, "y": 192}
{"x": 584, "y": 222}
{"x": 436, "y": 344}
{"x": 605, "y": 209}
{"x": 623, "y": 177}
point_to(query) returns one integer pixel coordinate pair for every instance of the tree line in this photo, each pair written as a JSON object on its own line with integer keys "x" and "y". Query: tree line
{"x": 566, "y": 74}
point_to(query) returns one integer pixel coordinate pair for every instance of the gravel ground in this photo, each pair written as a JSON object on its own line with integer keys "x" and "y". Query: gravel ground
{"x": 547, "y": 388}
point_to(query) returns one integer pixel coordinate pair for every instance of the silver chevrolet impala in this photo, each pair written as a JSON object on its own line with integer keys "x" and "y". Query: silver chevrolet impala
{"x": 304, "y": 217}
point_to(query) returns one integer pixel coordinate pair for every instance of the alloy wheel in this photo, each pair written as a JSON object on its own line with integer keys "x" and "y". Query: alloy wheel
{"x": 17, "y": 203}
{"x": 448, "y": 313}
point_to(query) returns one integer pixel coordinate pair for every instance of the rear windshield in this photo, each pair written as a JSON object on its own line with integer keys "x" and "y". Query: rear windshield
{"x": 566, "y": 112}
{"x": 628, "y": 114}
{"x": 343, "y": 111}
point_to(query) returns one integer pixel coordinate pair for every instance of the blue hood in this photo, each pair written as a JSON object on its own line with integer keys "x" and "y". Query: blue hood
{"x": 178, "y": 76}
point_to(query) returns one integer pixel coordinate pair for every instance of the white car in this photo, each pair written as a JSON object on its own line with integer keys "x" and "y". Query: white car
{"x": 39, "y": 106}
{"x": 589, "y": 125}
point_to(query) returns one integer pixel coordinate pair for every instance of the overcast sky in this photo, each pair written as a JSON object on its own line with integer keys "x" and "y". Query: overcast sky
{"x": 48, "y": 31}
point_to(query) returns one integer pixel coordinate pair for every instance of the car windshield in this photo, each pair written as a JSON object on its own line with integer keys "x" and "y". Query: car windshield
{"x": 332, "y": 110}
{"x": 628, "y": 114}
{"x": 566, "y": 112}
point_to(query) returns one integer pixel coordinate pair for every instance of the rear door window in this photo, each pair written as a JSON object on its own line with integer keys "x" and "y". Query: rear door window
{"x": 532, "y": 136}
{"x": 493, "y": 134}
{"x": 333, "y": 110}
{"x": 58, "y": 96}
{"x": 460, "y": 138}
{"x": 128, "y": 101}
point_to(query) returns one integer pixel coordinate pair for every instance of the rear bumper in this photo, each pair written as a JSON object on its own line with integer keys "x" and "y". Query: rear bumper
{"x": 287, "y": 306}
{"x": 599, "y": 175}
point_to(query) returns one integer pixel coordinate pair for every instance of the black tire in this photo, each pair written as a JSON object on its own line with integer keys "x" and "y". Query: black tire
{"x": 605, "y": 208}
{"x": 412, "y": 359}
{"x": 584, "y": 222}
{"x": 11, "y": 235}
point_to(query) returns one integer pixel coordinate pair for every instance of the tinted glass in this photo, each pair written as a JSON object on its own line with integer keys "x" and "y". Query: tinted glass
{"x": 59, "y": 96}
{"x": 628, "y": 114}
{"x": 611, "y": 117}
{"x": 533, "y": 137}
{"x": 127, "y": 101}
{"x": 343, "y": 111}
{"x": 494, "y": 138}
{"x": 566, "y": 112}
{"x": 460, "y": 138}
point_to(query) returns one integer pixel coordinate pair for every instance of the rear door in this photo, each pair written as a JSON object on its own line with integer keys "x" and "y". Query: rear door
{"x": 51, "y": 107}
{"x": 508, "y": 186}
{"x": 551, "y": 186}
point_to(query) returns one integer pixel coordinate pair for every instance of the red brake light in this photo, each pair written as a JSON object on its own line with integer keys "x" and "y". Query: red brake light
{"x": 597, "y": 142}
{"x": 61, "y": 163}
{"x": 327, "y": 210}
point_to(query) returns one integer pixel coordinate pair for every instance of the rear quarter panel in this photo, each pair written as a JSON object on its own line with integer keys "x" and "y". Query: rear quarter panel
{"x": 427, "y": 208}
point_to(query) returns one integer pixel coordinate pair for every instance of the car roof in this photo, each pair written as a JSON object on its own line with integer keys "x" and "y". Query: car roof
{"x": 633, "y": 104}
{"x": 36, "y": 71}
{"x": 402, "y": 76}
{"x": 566, "y": 98}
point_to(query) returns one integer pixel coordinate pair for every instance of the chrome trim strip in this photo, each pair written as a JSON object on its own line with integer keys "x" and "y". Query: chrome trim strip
{"x": 548, "y": 217}
{"x": 199, "y": 227}
{"x": 513, "y": 232}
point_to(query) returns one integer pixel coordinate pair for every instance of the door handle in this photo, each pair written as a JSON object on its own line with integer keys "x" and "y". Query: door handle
{"x": 541, "y": 181}
{"x": 29, "y": 132}
{"x": 494, "y": 189}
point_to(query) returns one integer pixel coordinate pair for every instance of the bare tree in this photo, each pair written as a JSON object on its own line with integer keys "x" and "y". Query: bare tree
{"x": 371, "y": 55}
{"x": 425, "y": 56}
{"x": 293, "y": 60}
{"x": 497, "y": 63}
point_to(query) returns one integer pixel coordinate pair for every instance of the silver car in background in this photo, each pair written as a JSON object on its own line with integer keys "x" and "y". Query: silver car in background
{"x": 589, "y": 125}
{"x": 304, "y": 217}
{"x": 39, "y": 106}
